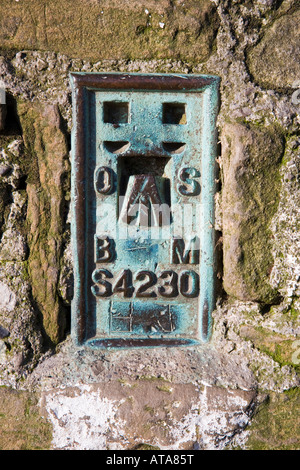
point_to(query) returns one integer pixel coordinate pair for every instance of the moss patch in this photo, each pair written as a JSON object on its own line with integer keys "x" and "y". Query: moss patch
{"x": 276, "y": 423}
{"x": 47, "y": 150}
{"x": 5, "y": 199}
{"x": 122, "y": 30}
{"x": 146, "y": 447}
{"x": 251, "y": 191}
{"x": 278, "y": 346}
{"x": 21, "y": 425}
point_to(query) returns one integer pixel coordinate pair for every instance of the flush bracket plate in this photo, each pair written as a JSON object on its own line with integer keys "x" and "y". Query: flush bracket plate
{"x": 143, "y": 188}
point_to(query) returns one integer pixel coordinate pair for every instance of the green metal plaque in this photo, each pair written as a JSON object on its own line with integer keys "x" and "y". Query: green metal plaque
{"x": 143, "y": 186}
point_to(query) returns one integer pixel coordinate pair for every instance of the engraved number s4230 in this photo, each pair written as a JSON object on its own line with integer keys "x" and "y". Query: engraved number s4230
{"x": 166, "y": 284}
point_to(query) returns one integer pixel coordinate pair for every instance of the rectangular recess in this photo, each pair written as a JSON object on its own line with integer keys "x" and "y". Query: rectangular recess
{"x": 116, "y": 112}
{"x": 174, "y": 113}
{"x": 131, "y": 299}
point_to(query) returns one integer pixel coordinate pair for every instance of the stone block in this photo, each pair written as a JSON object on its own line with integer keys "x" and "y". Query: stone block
{"x": 21, "y": 425}
{"x": 47, "y": 150}
{"x": 251, "y": 186}
{"x": 120, "y": 30}
{"x": 123, "y": 415}
{"x": 275, "y": 61}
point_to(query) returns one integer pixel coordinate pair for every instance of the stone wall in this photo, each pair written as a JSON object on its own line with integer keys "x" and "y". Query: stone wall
{"x": 241, "y": 389}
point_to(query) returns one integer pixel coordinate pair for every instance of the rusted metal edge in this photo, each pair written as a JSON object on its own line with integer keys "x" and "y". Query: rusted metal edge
{"x": 131, "y": 343}
{"x": 78, "y": 213}
{"x": 112, "y": 81}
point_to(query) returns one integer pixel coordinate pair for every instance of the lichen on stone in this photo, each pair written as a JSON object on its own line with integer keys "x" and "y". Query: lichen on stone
{"x": 46, "y": 145}
{"x": 22, "y": 427}
{"x": 274, "y": 61}
{"x": 275, "y": 425}
{"x": 251, "y": 187}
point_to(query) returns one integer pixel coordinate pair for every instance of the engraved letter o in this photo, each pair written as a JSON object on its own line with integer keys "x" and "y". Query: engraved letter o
{"x": 104, "y": 180}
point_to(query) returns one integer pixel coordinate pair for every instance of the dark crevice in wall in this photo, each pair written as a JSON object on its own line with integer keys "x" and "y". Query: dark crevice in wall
{"x": 12, "y": 123}
{"x": 265, "y": 308}
{"x": 65, "y": 314}
{"x": 64, "y": 321}
{"x": 220, "y": 292}
{"x": 64, "y": 126}
{"x": 6, "y": 200}
{"x": 67, "y": 331}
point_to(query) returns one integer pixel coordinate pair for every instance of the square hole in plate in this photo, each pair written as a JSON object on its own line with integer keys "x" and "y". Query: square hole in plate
{"x": 115, "y": 112}
{"x": 174, "y": 113}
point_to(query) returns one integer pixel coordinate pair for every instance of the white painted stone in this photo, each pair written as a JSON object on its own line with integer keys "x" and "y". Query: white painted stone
{"x": 83, "y": 420}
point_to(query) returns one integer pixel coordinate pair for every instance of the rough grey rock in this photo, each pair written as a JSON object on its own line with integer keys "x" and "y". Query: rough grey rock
{"x": 5, "y": 169}
{"x": 274, "y": 61}
{"x": 4, "y": 333}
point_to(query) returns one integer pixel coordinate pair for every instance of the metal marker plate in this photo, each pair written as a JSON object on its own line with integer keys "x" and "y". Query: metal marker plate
{"x": 143, "y": 185}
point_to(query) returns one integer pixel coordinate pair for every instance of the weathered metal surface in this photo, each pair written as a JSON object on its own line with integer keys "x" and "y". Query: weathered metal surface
{"x": 143, "y": 185}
